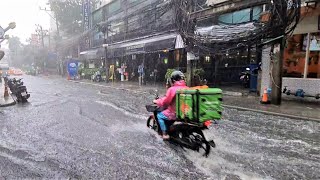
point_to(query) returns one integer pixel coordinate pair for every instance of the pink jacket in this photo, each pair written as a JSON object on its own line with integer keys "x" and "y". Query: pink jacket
{"x": 169, "y": 101}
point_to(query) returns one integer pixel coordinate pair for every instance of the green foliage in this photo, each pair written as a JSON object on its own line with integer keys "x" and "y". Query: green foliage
{"x": 14, "y": 43}
{"x": 88, "y": 71}
{"x": 198, "y": 72}
{"x": 168, "y": 73}
{"x": 69, "y": 15}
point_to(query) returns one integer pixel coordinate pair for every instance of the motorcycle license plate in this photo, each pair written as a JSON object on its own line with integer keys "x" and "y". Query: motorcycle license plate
{"x": 24, "y": 94}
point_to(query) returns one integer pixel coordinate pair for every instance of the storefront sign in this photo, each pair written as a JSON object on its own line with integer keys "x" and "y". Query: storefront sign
{"x": 86, "y": 20}
{"x": 86, "y": 14}
{"x": 139, "y": 46}
{"x": 135, "y": 49}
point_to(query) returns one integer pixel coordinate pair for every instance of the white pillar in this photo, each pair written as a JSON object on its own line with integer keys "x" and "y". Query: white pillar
{"x": 305, "y": 73}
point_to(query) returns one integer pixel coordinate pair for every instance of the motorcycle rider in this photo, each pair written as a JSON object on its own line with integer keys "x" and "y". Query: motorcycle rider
{"x": 169, "y": 102}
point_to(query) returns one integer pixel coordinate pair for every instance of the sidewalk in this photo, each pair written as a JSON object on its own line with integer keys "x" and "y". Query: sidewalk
{"x": 8, "y": 101}
{"x": 236, "y": 100}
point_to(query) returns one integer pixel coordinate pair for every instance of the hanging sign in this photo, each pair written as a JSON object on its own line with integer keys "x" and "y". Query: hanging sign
{"x": 86, "y": 20}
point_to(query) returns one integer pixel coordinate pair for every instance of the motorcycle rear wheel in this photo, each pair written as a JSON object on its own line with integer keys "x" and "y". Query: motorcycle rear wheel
{"x": 203, "y": 146}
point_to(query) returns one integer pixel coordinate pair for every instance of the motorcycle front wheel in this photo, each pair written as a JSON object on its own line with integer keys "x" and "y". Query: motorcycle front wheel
{"x": 152, "y": 124}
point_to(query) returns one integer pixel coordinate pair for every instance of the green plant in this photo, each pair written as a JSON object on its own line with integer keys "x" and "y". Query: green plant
{"x": 168, "y": 73}
{"x": 198, "y": 72}
{"x": 88, "y": 71}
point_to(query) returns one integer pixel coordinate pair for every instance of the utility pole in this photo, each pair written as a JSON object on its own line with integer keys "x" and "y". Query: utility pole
{"x": 54, "y": 18}
{"x": 277, "y": 59}
{"x": 105, "y": 30}
{"x": 276, "y": 73}
{"x": 190, "y": 44}
{"x": 57, "y": 38}
{"x": 40, "y": 32}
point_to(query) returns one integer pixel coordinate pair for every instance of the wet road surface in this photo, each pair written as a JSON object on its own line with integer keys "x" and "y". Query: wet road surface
{"x": 74, "y": 130}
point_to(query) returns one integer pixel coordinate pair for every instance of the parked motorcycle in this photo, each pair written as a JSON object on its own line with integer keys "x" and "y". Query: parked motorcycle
{"x": 96, "y": 77}
{"x": 188, "y": 135}
{"x": 18, "y": 89}
{"x": 245, "y": 78}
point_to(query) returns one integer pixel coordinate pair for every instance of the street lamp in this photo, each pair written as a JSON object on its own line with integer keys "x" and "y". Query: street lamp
{"x": 12, "y": 25}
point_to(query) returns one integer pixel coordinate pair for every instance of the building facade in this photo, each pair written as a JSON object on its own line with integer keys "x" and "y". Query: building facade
{"x": 303, "y": 44}
{"x": 222, "y": 19}
{"x": 135, "y": 32}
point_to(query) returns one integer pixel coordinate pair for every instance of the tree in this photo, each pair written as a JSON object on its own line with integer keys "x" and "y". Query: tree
{"x": 14, "y": 43}
{"x": 15, "y": 49}
{"x": 69, "y": 15}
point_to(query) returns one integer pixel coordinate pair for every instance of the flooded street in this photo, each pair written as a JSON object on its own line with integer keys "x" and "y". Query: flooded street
{"x": 75, "y": 130}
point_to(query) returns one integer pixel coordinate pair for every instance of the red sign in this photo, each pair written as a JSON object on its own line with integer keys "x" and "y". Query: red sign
{"x": 35, "y": 40}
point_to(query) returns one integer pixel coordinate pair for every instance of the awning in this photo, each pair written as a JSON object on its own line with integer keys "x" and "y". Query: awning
{"x": 92, "y": 54}
{"x": 146, "y": 45}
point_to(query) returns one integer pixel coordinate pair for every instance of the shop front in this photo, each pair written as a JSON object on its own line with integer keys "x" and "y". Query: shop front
{"x": 155, "y": 54}
{"x": 91, "y": 61}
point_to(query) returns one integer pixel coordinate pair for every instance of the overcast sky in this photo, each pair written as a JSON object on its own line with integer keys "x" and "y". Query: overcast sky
{"x": 26, "y": 14}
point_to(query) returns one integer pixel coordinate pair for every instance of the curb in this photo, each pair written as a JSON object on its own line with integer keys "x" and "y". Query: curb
{"x": 231, "y": 93}
{"x": 273, "y": 113}
{"x": 8, "y": 104}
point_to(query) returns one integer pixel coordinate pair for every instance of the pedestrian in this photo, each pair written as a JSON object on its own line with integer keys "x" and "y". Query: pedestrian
{"x": 141, "y": 73}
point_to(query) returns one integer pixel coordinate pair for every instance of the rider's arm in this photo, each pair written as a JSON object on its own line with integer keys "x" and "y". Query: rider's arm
{"x": 166, "y": 100}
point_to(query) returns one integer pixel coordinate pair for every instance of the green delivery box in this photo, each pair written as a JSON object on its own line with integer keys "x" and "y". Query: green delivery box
{"x": 199, "y": 105}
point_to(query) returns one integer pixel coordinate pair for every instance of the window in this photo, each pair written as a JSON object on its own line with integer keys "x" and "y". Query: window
{"x": 133, "y": 1}
{"x": 295, "y": 54}
{"x": 241, "y": 16}
{"x": 96, "y": 17}
{"x": 116, "y": 27}
{"x": 114, "y": 6}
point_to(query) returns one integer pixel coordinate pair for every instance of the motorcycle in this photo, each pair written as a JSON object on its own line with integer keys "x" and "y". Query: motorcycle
{"x": 245, "y": 78}
{"x": 18, "y": 89}
{"x": 181, "y": 132}
{"x": 96, "y": 77}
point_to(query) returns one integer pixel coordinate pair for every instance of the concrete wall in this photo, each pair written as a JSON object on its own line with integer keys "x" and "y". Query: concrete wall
{"x": 310, "y": 86}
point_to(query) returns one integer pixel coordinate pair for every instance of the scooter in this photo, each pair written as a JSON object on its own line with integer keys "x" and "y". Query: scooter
{"x": 181, "y": 132}
{"x": 18, "y": 89}
{"x": 96, "y": 77}
{"x": 245, "y": 78}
